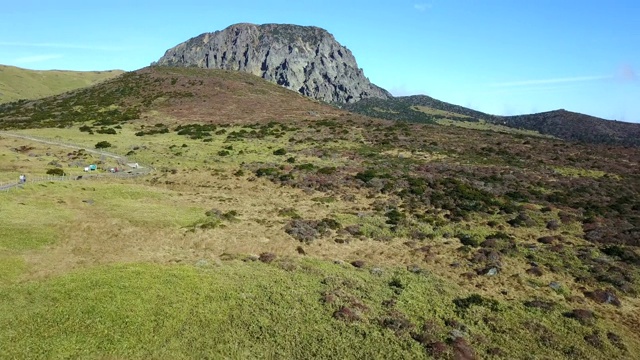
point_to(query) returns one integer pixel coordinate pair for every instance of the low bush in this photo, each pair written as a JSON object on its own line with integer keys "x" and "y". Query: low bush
{"x": 103, "y": 145}
{"x": 55, "y": 172}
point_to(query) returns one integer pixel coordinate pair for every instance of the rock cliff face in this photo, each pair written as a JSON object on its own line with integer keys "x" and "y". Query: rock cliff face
{"x": 302, "y": 58}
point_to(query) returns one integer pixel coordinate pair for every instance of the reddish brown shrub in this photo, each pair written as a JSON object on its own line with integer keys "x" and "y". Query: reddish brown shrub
{"x": 267, "y": 257}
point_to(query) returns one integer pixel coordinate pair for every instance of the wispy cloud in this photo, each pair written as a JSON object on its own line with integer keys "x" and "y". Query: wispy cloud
{"x": 62, "y": 46}
{"x": 36, "y": 58}
{"x": 626, "y": 73}
{"x": 562, "y": 80}
{"x": 422, "y": 7}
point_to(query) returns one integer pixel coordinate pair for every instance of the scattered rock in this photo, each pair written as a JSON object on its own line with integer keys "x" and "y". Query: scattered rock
{"x": 555, "y": 286}
{"x": 490, "y": 271}
{"x": 603, "y": 297}
{"x": 377, "y": 271}
{"x": 89, "y": 201}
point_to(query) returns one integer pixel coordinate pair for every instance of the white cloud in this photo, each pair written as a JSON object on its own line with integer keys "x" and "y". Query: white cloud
{"x": 551, "y": 81}
{"x": 62, "y": 46}
{"x": 422, "y": 7}
{"x": 36, "y": 58}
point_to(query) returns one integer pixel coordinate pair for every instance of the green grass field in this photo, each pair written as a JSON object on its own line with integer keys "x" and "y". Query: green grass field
{"x": 235, "y": 309}
{"x": 17, "y": 83}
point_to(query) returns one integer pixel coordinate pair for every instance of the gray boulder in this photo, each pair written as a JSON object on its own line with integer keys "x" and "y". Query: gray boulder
{"x": 305, "y": 59}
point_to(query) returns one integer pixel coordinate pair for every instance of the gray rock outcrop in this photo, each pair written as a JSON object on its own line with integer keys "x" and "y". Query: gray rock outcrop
{"x": 305, "y": 59}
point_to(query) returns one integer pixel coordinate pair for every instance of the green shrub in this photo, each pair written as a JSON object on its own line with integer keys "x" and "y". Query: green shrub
{"x": 266, "y": 172}
{"x": 327, "y": 170}
{"x": 103, "y": 145}
{"x": 55, "y": 172}
{"x": 109, "y": 131}
{"x": 306, "y": 166}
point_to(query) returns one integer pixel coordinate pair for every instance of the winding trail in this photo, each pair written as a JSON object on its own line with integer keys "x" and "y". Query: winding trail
{"x": 137, "y": 170}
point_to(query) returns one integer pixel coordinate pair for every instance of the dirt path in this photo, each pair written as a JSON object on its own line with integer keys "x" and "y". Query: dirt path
{"x": 138, "y": 170}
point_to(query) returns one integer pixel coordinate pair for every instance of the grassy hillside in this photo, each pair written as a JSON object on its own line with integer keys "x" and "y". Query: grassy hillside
{"x": 576, "y": 127}
{"x": 275, "y": 226}
{"x": 561, "y": 124}
{"x": 17, "y": 83}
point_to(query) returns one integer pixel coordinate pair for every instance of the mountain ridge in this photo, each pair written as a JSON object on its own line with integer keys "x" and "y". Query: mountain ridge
{"x": 563, "y": 124}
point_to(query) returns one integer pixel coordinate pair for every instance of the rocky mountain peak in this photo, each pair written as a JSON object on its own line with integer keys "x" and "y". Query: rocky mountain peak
{"x": 306, "y": 59}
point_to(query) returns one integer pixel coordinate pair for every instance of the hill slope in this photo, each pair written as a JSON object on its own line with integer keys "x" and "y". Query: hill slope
{"x": 198, "y": 94}
{"x": 17, "y": 83}
{"x": 576, "y": 127}
{"x": 275, "y": 226}
{"x": 562, "y": 124}
{"x": 305, "y": 59}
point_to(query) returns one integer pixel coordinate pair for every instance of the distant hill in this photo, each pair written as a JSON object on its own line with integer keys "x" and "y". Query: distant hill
{"x": 416, "y": 108}
{"x": 17, "y": 83}
{"x": 306, "y": 59}
{"x": 183, "y": 94}
{"x": 562, "y": 124}
{"x": 576, "y": 127}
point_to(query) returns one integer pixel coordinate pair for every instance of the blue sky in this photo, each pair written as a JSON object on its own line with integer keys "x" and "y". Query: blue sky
{"x": 499, "y": 56}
